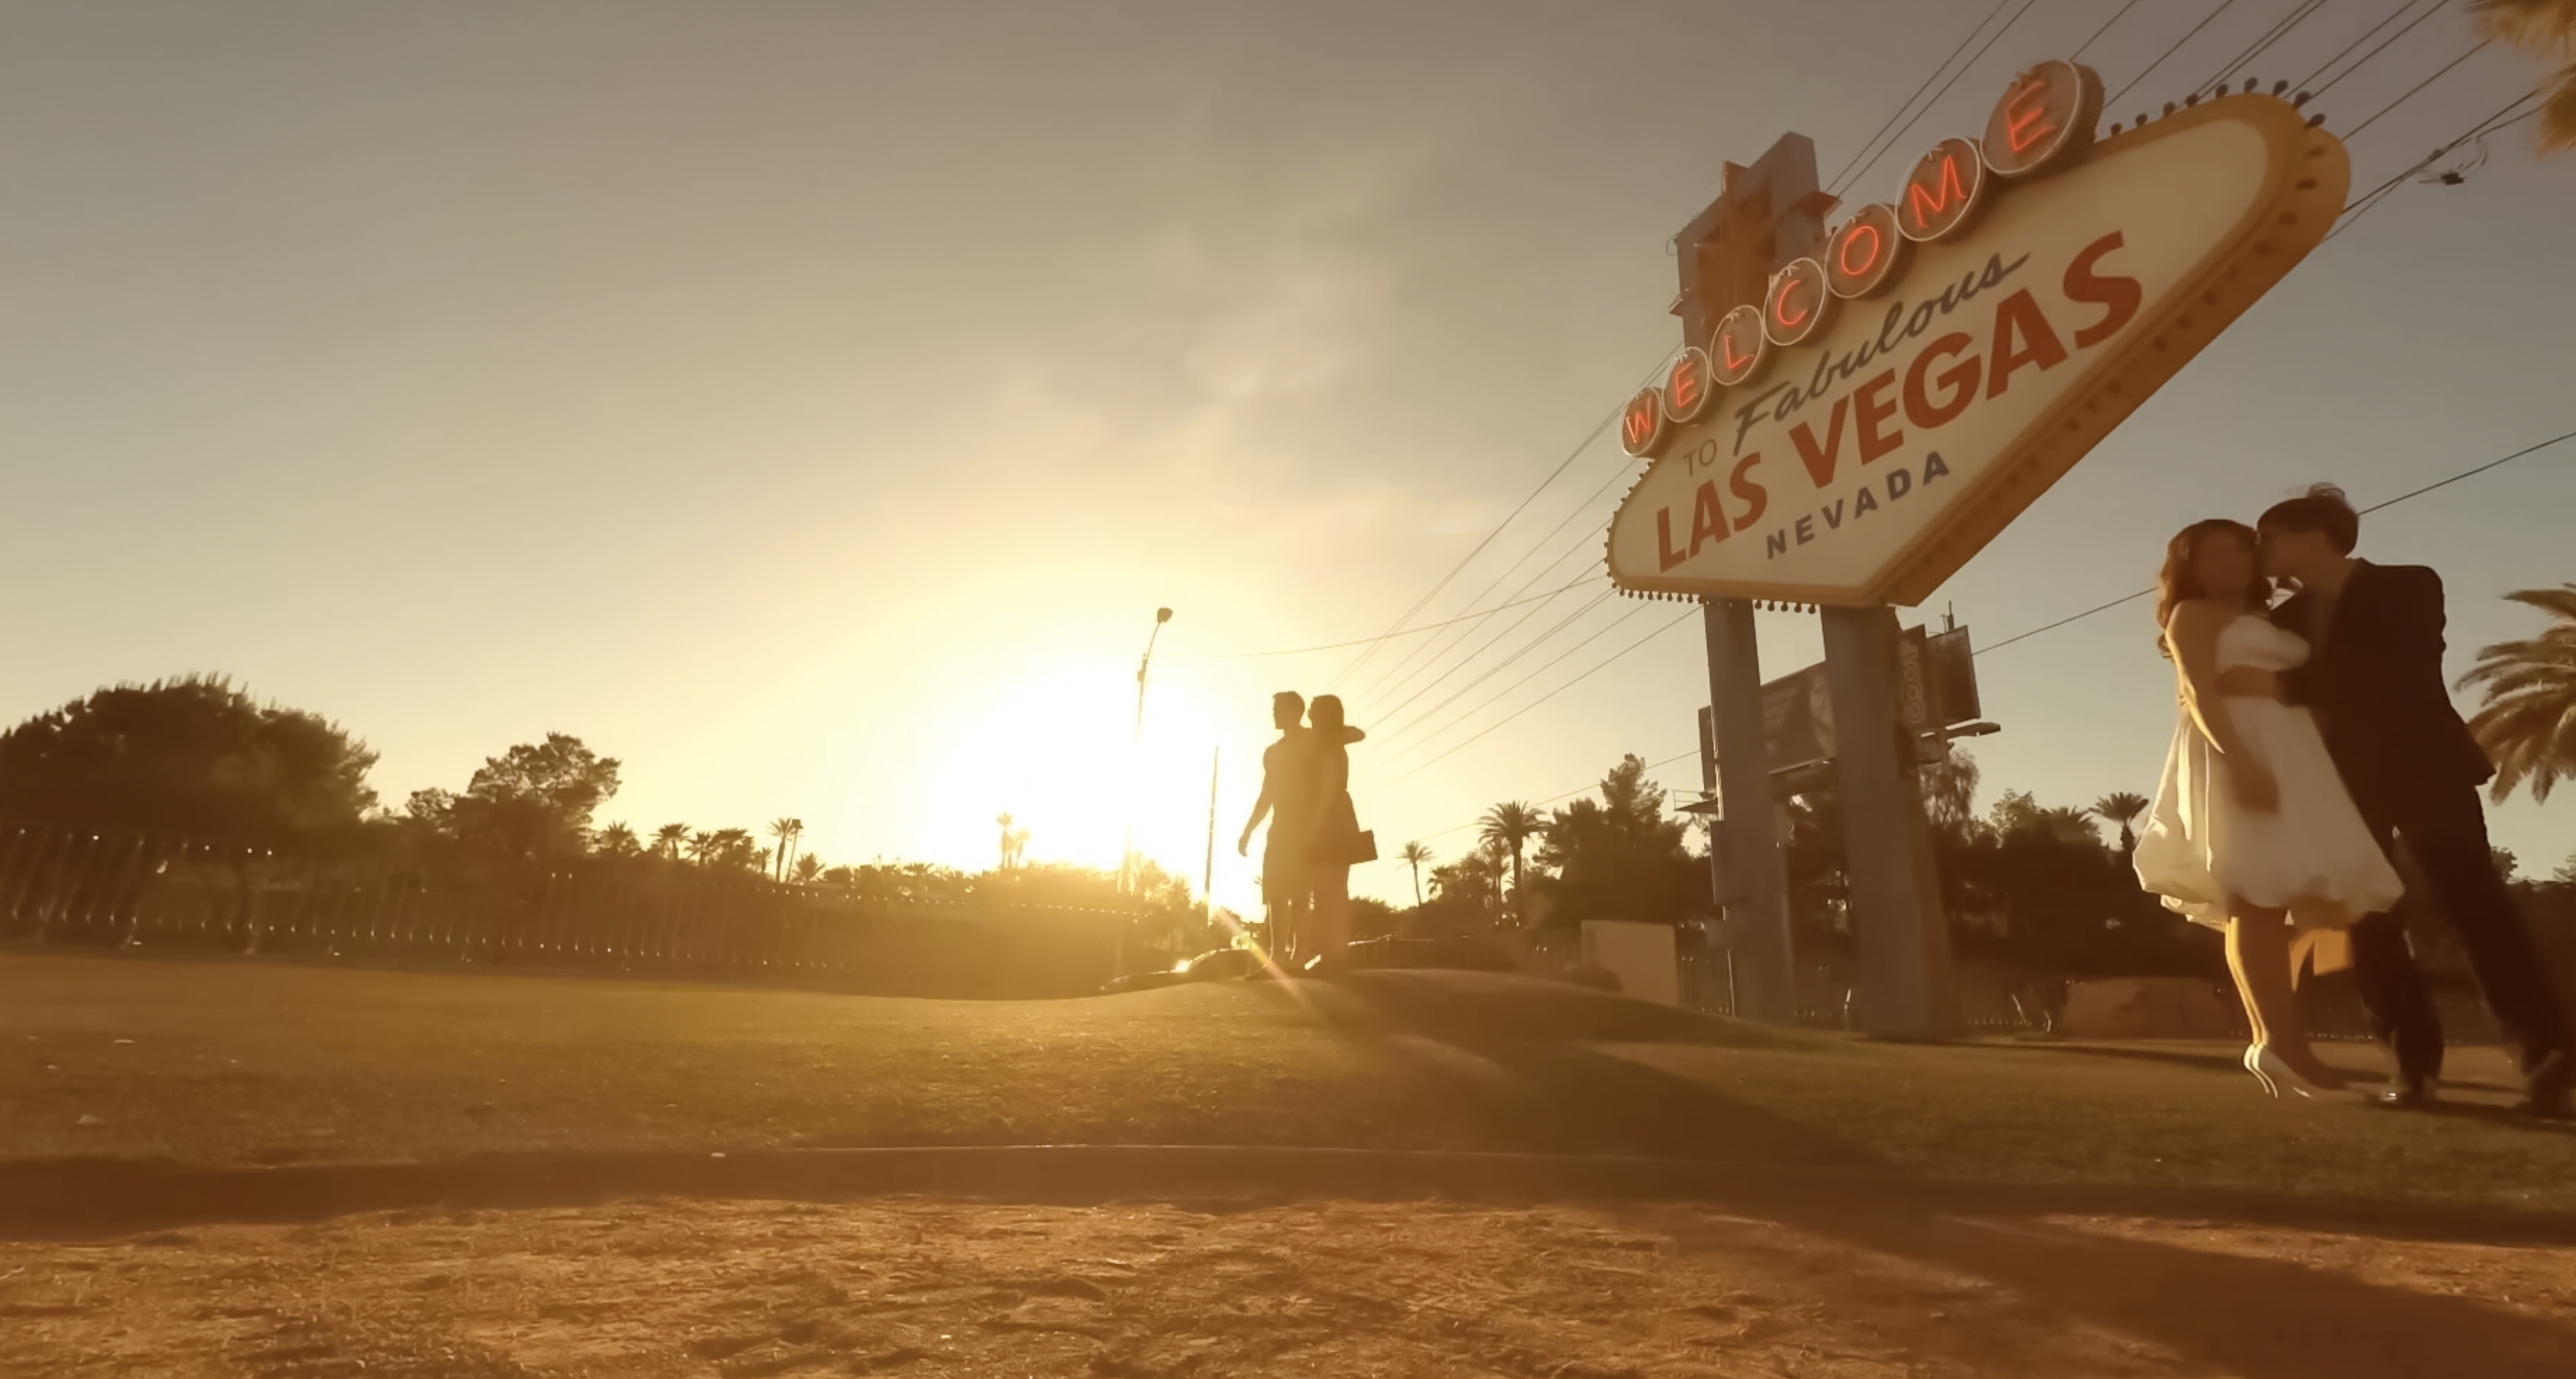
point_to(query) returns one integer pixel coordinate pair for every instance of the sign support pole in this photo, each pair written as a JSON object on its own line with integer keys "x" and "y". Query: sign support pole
{"x": 1747, "y": 874}
{"x": 1907, "y": 989}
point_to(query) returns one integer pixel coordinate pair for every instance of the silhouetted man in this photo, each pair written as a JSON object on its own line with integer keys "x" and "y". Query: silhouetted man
{"x": 1286, "y": 771}
{"x": 2374, "y": 680}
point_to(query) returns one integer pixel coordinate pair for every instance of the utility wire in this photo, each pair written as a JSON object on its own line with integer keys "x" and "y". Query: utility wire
{"x": 1568, "y": 620}
{"x": 2306, "y": 10}
{"x": 2375, "y": 507}
{"x": 2382, "y": 506}
{"x": 1470, "y": 659}
{"x": 2363, "y": 204}
{"x": 2328, "y": 65}
{"x": 1899, "y": 114}
{"x": 2346, "y": 73}
{"x": 1491, "y": 671}
{"x": 1426, "y": 627}
{"x": 1945, "y": 90}
{"x": 2223, "y": 7}
{"x": 2106, "y": 28}
{"x": 1570, "y": 457}
{"x": 1686, "y": 614}
{"x": 2418, "y": 87}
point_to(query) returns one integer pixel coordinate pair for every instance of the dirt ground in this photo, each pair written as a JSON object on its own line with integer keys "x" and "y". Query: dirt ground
{"x": 930, "y": 1288}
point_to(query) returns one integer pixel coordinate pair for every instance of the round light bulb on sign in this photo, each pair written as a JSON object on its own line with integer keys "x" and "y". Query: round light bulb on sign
{"x": 2045, "y": 118}
{"x": 1641, "y": 423}
{"x": 1687, "y": 386}
{"x": 1943, "y": 192}
{"x": 1798, "y": 303}
{"x": 1863, "y": 255}
{"x": 1738, "y": 348}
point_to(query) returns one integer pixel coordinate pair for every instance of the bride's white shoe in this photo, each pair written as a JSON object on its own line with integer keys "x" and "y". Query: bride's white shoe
{"x": 2270, "y": 1070}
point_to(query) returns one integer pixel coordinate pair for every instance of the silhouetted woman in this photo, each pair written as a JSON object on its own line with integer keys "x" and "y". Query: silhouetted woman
{"x": 1338, "y": 843}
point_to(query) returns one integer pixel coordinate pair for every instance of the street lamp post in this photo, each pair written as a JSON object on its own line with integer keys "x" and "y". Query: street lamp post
{"x": 1127, "y": 857}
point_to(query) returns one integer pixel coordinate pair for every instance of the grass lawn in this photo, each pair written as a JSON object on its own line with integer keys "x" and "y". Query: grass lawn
{"x": 232, "y": 1062}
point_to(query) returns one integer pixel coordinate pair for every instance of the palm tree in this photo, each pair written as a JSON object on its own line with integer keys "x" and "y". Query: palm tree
{"x": 617, "y": 840}
{"x": 701, "y": 846}
{"x": 1507, "y": 828}
{"x": 2529, "y": 723}
{"x": 786, "y": 831}
{"x": 1414, "y": 855}
{"x": 1014, "y": 840}
{"x": 2123, "y": 809}
{"x": 808, "y": 867}
{"x": 2547, "y": 30}
{"x": 669, "y": 838}
{"x": 734, "y": 847}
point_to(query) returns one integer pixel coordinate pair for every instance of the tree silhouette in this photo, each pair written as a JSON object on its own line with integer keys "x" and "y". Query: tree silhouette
{"x": 1015, "y": 841}
{"x": 617, "y": 840}
{"x": 1508, "y": 827}
{"x": 670, "y": 838}
{"x": 2528, "y": 725}
{"x": 2546, "y": 29}
{"x": 808, "y": 867}
{"x": 534, "y": 801}
{"x": 786, "y": 831}
{"x": 2123, "y": 809}
{"x": 1414, "y": 855}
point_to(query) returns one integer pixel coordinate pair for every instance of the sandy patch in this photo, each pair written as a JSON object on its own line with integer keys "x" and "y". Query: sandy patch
{"x": 919, "y": 1287}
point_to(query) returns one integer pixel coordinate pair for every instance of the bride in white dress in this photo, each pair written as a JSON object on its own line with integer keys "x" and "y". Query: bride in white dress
{"x": 2252, "y": 832}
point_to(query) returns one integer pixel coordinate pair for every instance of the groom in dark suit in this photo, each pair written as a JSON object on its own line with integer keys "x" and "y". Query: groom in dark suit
{"x": 2374, "y": 680}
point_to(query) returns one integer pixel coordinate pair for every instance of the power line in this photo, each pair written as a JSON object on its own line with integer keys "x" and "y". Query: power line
{"x": 2382, "y": 506}
{"x": 2363, "y": 204}
{"x": 1686, "y": 614}
{"x": 2305, "y": 11}
{"x": 2375, "y": 507}
{"x": 1570, "y": 457}
{"x": 2223, "y": 7}
{"x": 1470, "y": 658}
{"x": 2106, "y": 28}
{"x": 2393, "y": 15}
{"x": 1506, "y": 690}
{"x": 1945, "y": 90}
{"x": 1426, "y": 627}
{"x": 1899, "y": 113}
{"x": 2412, "y": 91}
{"x": 1399, "y": 675}
{"x": 2346, "y": 73}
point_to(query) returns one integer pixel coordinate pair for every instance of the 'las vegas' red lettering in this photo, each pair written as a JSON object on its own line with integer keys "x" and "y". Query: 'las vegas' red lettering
{"x": 1665, "y": 555}
{"x": 2023, "y": 338}
{"x": 1741, "y": 484}
{"x": 2118, "y": 297}
{"x": 1820, "y": 460}
{"x": 1708, "y": 518}
{"x": 1873, "y": 412}
{"x": 1959, "y": 383}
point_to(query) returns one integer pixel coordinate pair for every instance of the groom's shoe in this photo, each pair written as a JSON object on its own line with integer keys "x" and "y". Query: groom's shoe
{"x": 2409, "y": 1094}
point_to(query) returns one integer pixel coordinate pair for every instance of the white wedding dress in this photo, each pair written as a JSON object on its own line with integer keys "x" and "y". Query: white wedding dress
{"x": 2313, "y": 856}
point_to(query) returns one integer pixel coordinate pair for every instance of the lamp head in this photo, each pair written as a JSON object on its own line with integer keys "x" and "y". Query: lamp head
{"x": 1162, "y": 616}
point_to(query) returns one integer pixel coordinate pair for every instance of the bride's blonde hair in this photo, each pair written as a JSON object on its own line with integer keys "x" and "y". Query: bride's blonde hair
{"x": 2180, "y": 581}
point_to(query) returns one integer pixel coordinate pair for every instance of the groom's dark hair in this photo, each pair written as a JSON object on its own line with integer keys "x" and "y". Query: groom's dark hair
{"x": 2320, "y": 509}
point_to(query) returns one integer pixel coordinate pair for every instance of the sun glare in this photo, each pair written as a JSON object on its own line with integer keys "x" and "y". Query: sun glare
{"x": 1059, "y": 755}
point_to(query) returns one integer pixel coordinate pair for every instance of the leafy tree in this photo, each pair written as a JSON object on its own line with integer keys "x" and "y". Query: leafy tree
{"x": 1414, "y": 855}
{"x": 1619, "y": 857}
{"x": 2123, "y": 809}
{"x": 2547, "y": 30}
{"x": 1950, "y": 788}
{"x": 531, "y": 803}
{"x": 188, "y": 758}
{"x": 1462, "y": 893}
{"x": 2566, "y": 873}
{"x": 1508, "y": 828}
{"x": 2528, "y": 725}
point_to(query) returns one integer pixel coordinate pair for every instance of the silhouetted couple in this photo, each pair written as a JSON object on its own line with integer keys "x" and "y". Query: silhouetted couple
{"x": 2318, "y": 736}
{"x": 1315, "y": 836}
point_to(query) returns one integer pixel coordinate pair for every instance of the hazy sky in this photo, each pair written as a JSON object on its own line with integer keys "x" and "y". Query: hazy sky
{"x": 809, "y": 401}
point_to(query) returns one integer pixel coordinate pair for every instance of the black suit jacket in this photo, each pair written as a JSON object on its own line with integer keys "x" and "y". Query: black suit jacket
{"x": 2376, "y": 686}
